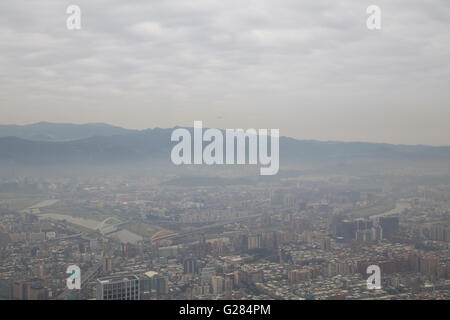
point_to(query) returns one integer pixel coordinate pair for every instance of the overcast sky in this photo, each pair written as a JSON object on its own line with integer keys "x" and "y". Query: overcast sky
{"x": 310, "y": 68}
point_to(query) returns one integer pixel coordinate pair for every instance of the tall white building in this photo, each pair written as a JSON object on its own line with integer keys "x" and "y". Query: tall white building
{"x": 217, "y": 284}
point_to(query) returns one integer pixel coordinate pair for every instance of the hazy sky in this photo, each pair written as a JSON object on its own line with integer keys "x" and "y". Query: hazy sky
{"x": 310, "y": 68}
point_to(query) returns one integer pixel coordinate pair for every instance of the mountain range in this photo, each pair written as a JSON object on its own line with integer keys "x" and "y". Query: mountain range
{"x": 47, "y": 131}
{"x": 98, "y": 143}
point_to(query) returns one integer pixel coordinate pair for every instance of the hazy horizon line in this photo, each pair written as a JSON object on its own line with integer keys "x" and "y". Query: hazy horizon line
{"x": 181, "y": 126}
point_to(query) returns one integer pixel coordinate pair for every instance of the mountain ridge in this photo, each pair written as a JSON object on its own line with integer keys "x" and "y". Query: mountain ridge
{"x": 141, "y": 145}
{"x": 49, "y": 131}
{"x": 14, "y": 130}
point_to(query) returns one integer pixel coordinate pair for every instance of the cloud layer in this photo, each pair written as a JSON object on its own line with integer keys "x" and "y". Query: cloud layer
{"x": 310, "y": 68}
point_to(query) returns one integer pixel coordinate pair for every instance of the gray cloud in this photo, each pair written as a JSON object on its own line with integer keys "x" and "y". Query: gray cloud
{"x": 310, "y": 68}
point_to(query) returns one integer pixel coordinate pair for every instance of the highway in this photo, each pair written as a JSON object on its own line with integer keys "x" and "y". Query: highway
{"x": 211, "y": 226}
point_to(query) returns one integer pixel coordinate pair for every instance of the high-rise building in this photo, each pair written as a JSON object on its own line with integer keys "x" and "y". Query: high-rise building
{"x": 217, "y": 283}
{"x": 276, "y": 198}
{"x": 346, "y": 229}
{"x": 377, "y": 233}
{"x": 254, "y": 242}
{"x": 123, "y": 287}
{"x": 439, "y": 232}
{"x": 29, "y": 290}
{"x": 38, "y": 291}
{"x": 153, "y": 283}
{"x": 107, "y": 264}
{"x": 162, "y": 285}
{"x": 325, "y": 243}
{"x": 389, "y": 225}
{"x": 190, "y": 266}
{"x": 20, "y": 290}
{"x": 429, "y": 265}
{"x": 363, "y": 224}
{"x": 207, "y": 273}
{"x": 414, "y": 261}
{"x": 228, "y": 285}
{"x": 236, "y": 278}
{"x": 364, "y": 235}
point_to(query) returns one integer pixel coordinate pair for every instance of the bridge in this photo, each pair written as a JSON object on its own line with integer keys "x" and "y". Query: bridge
{"x": 165, "y": 235}
{"x": 72, "y": 236}
{"x": 104, "y": 230}
{"x": 108, "y": 228}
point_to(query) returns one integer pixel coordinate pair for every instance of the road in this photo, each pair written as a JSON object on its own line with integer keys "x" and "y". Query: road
{"x": 211, "y": 226}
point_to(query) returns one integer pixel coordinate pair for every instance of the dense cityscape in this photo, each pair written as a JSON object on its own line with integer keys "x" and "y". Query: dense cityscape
{"x": 306, "y": 237}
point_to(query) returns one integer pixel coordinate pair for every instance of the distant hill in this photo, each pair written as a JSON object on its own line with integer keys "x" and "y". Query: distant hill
{"x": 94, "y": 150}
{"x": 46, "y": 131}
{"x": 112, "y": 145}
